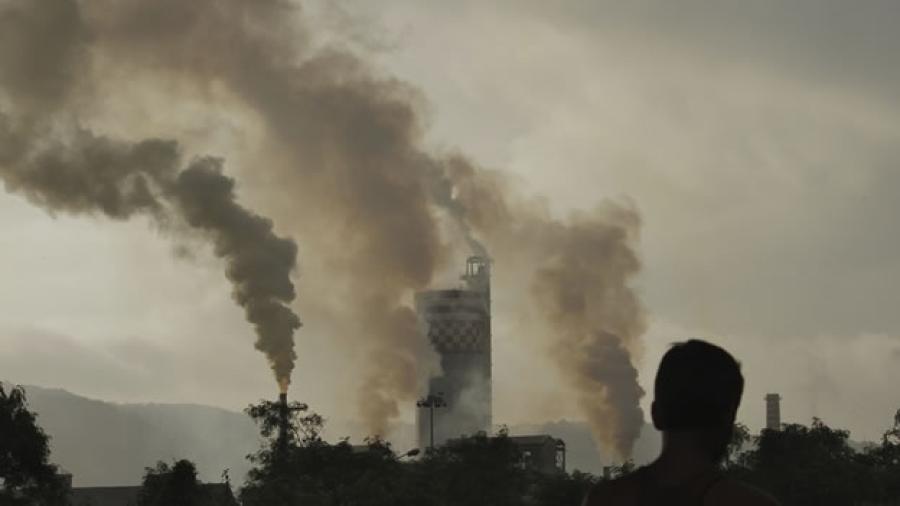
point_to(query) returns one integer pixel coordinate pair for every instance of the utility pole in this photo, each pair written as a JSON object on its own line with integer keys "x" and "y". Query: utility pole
{"x": 431, "y": 402}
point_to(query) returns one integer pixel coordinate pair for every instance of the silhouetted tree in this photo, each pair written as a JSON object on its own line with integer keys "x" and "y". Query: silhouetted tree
{"x": 805, "y": 465}
{"x": 301, "y": 426}
{"x": 740, "y": 437}
{"x": 882, "y": 463}
{"x": 26, "y": 477}
{"x": 174, "y": 485}
{"x": 476, "y": 470}
{"x": 617, "y": 471}
{"x": 280, "y": 475}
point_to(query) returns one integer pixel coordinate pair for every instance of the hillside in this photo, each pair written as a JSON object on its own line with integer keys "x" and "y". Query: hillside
{"x": 104, "y": 443}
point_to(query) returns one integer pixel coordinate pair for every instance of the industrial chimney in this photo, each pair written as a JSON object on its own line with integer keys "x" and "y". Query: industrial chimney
{"x": 283, "y": 421}
{"x": 773, "y": 411}
{"x": 457, "y": 323}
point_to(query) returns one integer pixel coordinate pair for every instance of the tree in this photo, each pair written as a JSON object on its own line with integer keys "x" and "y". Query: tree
{"x": 805, "y": 465}
{"x": 295, "y": 466}
{"x": 740, "y": 437}
{"x": 26, "y": 476}
{"x": 477, "y": 470}
{"x": 282, "y": 475}
{"x": 627, "y": 467}
{"x": 175, "y": 485}
{"x": 302, "y": 469}
{"x": 883, "y": 465}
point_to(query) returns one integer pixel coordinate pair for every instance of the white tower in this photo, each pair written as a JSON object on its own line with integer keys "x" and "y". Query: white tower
{"x": 457, "y": 323}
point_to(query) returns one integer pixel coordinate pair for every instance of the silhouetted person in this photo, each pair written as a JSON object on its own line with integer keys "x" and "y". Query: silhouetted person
{"x": 696, "y": 395}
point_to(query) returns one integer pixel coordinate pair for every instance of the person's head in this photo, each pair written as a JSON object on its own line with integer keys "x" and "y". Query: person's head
{"x": 698, "y": 390}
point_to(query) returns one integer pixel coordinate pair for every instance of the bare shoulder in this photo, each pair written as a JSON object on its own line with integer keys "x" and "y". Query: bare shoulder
{"x": 618, "y": 492}
{"x": 736, "y": 493}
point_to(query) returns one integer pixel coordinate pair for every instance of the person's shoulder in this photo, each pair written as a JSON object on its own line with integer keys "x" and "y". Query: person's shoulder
{"x": 737, "y": 493}
{"x": 613, "y": 492}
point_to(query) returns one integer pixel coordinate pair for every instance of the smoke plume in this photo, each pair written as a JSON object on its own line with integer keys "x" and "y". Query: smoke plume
{"x": 341, "y": 161}
{"x": 66, "y": 168}
{"x": 580, "y": 271}
{"x": 259, "y": 263}
{"x": 582, "y": 287}
{"x": 342, "y": 144}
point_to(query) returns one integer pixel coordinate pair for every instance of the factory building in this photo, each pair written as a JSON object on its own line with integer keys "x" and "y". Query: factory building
{"x": 457, "y": 323}
{"x": 542, "y": 453}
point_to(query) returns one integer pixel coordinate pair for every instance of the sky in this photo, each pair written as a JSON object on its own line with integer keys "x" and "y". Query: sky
{"x": 758, "y": 140}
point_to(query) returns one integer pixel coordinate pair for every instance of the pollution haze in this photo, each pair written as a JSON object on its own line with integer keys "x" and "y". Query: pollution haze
{"x": 640, "y": 173}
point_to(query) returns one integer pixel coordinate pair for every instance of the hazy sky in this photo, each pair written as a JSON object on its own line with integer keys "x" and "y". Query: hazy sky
{"x": 760, "y": 141}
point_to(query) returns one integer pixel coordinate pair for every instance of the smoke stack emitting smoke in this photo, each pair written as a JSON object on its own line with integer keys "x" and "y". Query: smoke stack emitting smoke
{"x": 90, "y": 175}
{"x": 63, "y": 167}
{"x": 347, "y": 160}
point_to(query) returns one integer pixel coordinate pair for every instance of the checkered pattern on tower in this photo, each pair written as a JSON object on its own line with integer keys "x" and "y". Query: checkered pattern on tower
{"x": 457, "y": 336}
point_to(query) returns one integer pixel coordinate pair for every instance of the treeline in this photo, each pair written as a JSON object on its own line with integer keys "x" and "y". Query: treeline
{"x": 800, "y": 465}
{"x": 298, "y": 467}
{"x": 815, "y": 465}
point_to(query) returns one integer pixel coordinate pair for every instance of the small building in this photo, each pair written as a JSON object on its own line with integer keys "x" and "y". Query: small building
{"x": 105, "y": 496}
{"x": 542, "y": 453}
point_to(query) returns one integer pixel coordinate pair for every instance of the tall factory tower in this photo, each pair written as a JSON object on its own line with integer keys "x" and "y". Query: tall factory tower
{"x": 458, "y": 324}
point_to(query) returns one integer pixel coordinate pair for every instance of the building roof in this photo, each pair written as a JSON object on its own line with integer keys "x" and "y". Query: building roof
{"x": 105, "y": 496}
{"x": 536, "y": 440}
{"x": 128, "y": 496}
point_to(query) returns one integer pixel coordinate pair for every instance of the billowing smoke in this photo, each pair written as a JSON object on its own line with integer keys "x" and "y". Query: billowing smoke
{"x": 342, "y": 162}
{"x": 259, "y": 263}
{"x": 582, "y": 286}
{"x": 63, "y": 167}
{"x": 580, "y": 271}
{"x": 341, "y": 144}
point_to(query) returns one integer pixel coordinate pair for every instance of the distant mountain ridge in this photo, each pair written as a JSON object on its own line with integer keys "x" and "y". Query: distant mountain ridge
{"x": 103, "y": 443}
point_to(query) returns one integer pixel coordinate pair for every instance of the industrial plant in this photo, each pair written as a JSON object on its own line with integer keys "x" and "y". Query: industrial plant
{"x": 458, "y": 402}
{"x": 457, "y": 323}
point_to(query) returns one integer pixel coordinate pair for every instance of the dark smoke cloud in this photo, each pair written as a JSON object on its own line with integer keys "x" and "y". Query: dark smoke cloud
{"x": 259, "y": 263}
{"x": 90, "y": 174}
{"x": 345, "y": 164}
{"x": 72, "y": 170}
{"x": 41, "y": 44}
{"x": 348, "y": 159}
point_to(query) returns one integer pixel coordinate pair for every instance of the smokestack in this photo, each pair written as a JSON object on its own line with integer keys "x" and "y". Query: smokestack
{"x": 773, "y": 411}
{"x": 284, "y": 419}
{"x": 348, "y": 161}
